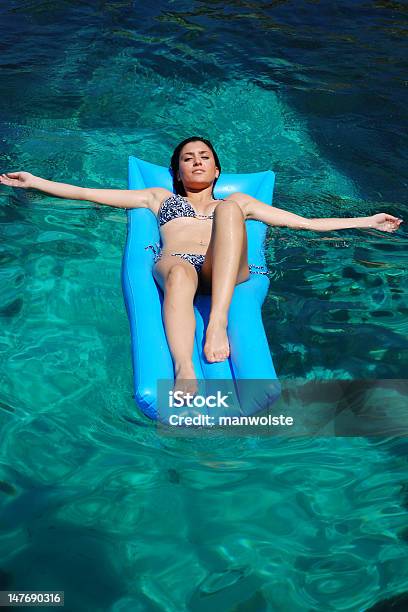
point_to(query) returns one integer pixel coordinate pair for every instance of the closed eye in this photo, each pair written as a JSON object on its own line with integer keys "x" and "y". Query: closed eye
{"x": 188, "y": 158}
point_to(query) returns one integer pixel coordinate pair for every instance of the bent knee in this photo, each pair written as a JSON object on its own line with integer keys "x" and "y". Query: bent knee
{"x": 230, "y": 207}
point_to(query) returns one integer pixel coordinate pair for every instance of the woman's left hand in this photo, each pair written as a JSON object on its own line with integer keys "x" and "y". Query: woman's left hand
{"x": 384, "y": 222}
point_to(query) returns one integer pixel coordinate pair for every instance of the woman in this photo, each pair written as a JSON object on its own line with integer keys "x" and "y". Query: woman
{"x": 204, "y": 242}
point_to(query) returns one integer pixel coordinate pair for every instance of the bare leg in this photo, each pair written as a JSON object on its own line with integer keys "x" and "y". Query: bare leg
{"x": 229, "y": 265}
{"x": 179, "y": 321}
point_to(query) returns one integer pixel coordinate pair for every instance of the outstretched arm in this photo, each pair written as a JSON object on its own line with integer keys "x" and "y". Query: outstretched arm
{"x": 276, "y": 216}
{"x": 26, "y": 180}
{"x": 121, "y": 198}
{"x": 380, "y": 221}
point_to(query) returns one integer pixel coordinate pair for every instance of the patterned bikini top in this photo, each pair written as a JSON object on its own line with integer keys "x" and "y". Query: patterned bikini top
{"x": 177, "y": 206}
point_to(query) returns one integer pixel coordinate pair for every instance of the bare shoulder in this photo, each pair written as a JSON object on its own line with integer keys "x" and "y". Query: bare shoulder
{"x": 158, "y": 195}
{"x": 243, "y": 200}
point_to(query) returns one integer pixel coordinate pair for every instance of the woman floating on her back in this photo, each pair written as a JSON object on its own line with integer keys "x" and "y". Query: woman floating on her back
{"x": 204, "y": 243}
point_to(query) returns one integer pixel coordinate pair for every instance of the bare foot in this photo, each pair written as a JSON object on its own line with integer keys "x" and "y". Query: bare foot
{"x": 216, "y": 346}
{"x": 185, "y": 380}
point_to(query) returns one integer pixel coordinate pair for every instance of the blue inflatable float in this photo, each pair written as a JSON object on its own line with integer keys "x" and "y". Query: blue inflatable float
{"x": 249, "y": 369}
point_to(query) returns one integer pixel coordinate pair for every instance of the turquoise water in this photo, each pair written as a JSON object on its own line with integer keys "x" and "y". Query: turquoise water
{"x": 94, "y": 501}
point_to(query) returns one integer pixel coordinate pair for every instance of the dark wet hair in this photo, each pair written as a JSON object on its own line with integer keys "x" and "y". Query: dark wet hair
{"x": 175, "y": 162}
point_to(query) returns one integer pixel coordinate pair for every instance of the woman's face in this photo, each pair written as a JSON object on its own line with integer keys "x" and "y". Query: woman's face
{"x": 197, "y": 165}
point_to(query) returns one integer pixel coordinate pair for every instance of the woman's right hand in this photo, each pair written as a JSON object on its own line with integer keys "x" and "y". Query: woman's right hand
{"x": 17, "y": 179}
